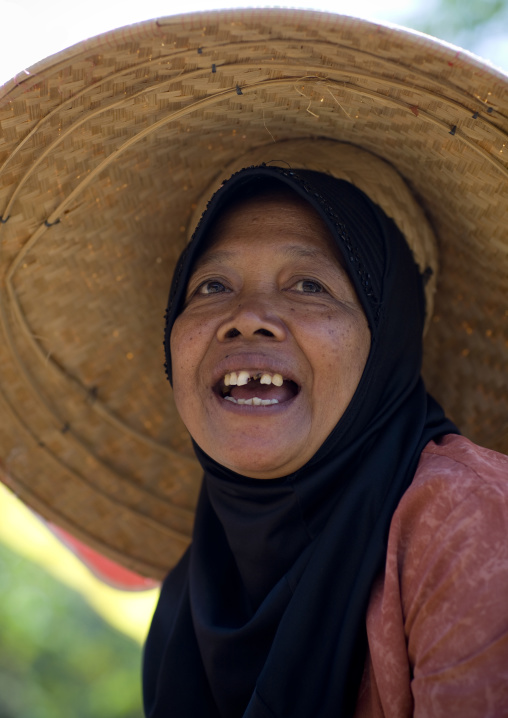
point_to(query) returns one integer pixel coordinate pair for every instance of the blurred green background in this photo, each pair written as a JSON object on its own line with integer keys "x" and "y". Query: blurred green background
{"x": 69, "y": 646}
{"x": 58, "y": 657}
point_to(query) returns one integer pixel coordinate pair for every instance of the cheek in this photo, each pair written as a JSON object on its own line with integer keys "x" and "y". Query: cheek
{"x": 190, "y": 342}
{"x": 185, "y": 359}
{"x": 346, "y": 335}
{"x": 185, "y": 344}
{"x": 344, "y": 349}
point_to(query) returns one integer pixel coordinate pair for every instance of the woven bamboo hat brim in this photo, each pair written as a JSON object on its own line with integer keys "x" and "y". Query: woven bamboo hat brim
{"x": 105, "y": 151}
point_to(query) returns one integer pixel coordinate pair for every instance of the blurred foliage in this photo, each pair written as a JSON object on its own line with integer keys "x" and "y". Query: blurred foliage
{"x": 57, "y": 657}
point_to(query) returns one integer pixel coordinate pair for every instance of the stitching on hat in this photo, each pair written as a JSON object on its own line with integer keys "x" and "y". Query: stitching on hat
{"x": 427, "y": 274}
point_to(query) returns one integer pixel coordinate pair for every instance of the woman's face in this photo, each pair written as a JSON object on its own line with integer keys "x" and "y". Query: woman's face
{"x": 269, "y": 304}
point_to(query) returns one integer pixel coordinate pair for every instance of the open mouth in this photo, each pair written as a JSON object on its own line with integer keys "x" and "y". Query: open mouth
{"x": 256, "y": 388}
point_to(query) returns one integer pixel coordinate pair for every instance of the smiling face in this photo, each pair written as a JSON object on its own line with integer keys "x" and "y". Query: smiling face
{"x": 272, "y": 342}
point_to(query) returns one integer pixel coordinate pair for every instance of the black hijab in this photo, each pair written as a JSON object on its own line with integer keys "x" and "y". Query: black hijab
{"x": 264, "y": 616}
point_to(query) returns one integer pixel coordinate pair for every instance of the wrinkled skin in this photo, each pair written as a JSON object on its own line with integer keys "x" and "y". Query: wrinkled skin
{"x": 268, "y": 295}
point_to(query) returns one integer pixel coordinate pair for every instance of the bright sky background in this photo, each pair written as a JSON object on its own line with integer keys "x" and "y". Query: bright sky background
{"x": 35, "y": 29}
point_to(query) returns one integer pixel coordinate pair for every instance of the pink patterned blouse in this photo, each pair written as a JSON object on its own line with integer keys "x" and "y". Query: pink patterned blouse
{"x": 437, "y": 621}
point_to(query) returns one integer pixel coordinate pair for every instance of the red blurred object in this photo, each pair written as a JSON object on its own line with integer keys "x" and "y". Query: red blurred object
{"x": 104, "y": 568}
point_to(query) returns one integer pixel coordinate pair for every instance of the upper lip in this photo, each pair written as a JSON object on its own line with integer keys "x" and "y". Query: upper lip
{"x": 253, "y": 362}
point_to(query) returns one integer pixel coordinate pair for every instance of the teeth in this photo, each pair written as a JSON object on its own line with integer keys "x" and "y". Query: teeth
{"x": 255, "y": 401}
{"x": 243, "y": 377}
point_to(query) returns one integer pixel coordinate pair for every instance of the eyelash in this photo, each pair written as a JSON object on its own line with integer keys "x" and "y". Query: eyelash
{"x": 319, "y": 289}
{"x": 203, "y": 285}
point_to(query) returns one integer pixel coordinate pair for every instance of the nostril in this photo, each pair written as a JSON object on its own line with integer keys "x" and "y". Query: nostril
{"x": 233, "y": 332}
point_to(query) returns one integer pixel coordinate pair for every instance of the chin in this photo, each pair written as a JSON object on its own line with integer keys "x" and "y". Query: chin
{"x": 265, "y": 465}
{"x": 258, "y": 454}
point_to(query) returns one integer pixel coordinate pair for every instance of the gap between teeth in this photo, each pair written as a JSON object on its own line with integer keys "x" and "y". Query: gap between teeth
{"x": 254, "y": 401}
{"x": 243, "y": 377}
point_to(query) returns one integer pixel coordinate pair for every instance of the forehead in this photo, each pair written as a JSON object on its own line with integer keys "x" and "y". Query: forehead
{"x": 282, "y": 219}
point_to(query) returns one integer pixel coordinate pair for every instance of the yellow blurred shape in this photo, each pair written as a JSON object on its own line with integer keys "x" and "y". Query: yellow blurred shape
{"x": 129, "y": 612}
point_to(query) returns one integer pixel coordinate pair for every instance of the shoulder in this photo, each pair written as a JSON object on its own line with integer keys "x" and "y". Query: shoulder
{"x": 456, "y": 481}
{"x": 455, "y": 458}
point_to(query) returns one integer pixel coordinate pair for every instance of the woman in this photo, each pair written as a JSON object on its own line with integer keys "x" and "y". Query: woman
{"x": 348, "y": 553}
{"x": 294, "y": 337}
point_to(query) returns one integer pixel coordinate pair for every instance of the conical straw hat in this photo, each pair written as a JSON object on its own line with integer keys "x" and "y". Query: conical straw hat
{"x": 106, "y": 150}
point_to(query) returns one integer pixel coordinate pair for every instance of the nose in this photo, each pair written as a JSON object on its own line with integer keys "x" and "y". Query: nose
{"x": 251, "y": 319}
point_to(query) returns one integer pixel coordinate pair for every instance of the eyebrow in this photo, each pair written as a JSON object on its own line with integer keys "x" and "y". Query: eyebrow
{"x": 219, "y": 255}
{"x": 292, "y": 251}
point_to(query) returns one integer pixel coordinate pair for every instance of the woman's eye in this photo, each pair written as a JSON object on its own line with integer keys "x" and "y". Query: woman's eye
{"x": 308, "y": 286}
{"x": 213, "y": 286}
